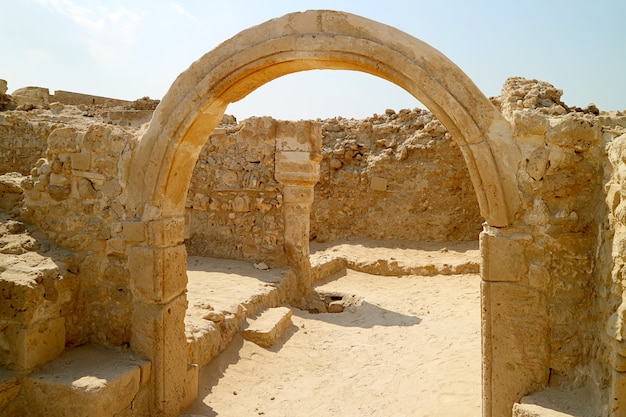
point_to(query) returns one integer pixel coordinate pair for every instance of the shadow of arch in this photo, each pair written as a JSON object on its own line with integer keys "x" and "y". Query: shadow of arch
{"x": 163, "y": 163}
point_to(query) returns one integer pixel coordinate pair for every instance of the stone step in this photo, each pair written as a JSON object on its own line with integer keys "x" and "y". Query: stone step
{"x": 86, "y": 381}
{"x": 556, "y": 402}
{"x": 265, "y": 329}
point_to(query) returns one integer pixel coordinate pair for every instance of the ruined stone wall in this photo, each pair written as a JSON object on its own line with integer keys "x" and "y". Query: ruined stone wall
{"x": 234, "y": 202}
{"x": 393, "y": 176}
{"x": 614, "y": 259}
{"x": 22, "y": 141}
{"x": 547, "y": 274}
{"x": 73, "y": 195}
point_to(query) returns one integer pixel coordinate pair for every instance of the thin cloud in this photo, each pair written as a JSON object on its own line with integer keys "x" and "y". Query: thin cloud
{"x": 109, "y": 34}
{"x": 179, "y": 9}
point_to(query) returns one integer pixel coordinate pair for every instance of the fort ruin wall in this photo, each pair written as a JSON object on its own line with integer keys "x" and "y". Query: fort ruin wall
{"x": 397, "y": 175}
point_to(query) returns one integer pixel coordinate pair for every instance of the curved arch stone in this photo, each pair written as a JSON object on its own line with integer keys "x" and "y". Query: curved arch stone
{"x": 161, "y": 167}
{"x": 163, "y": 163}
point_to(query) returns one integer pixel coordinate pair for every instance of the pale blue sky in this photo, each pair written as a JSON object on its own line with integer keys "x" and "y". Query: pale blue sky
{"x": 134, "y": 48}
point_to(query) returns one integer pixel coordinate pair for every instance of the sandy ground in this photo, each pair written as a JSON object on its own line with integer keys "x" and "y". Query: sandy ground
{"x": 411, "y": 348}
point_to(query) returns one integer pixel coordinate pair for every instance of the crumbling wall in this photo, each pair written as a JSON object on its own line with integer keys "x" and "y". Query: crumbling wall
{"x": 73, "y": 194}
{"x": 393, "y": 176}
{"x": 611, "y": 295}
{"x": 545, "y": 276}
{"x": 39, "y": 281}
{"x": 22, "y": 141}
{"x": 234, "y": 202}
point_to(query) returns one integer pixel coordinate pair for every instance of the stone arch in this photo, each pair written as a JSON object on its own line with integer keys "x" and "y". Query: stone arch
{"x": 162, "y": 166}
{"x": 160, "y": 169}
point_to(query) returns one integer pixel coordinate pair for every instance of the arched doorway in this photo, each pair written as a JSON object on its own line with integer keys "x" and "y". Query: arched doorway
{"x": 162, "y": 165}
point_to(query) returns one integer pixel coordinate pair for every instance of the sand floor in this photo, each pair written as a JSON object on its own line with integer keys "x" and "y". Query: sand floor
{"x": 411, "y": 348}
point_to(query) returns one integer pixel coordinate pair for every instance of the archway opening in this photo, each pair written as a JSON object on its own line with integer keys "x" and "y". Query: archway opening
{"x": 162, "y": 165}
{"x": 229, "y": 169}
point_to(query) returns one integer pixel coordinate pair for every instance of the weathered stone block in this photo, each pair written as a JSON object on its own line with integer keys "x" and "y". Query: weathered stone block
{"x": 166, "y": 232}
{"x": 504, "y": 258}
{"x": 191, "y": 385}
{"x": 516, "y": 349}
{"x": 159, "y": 335}
{"x": 268, "y": 327}
{"x": 81, "y": 161}
{"x": 158, "y": 274}
{"x": 64, "y": 140}
{"x": 115, "y": 246}
{"x": 85, "y": 381}
{"x": 27, "y": 347}
{"x": 378, "y": 184}
{"x": 134, "y": 231}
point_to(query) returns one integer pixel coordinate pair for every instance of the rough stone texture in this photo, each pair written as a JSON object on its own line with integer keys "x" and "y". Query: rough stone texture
{"x": 556, "y": 402}
{"x": 554, "y": 263}
{"x": 405, "y": 160}
{"x": 234, "y": 204}
{"x": 38, "y": 280}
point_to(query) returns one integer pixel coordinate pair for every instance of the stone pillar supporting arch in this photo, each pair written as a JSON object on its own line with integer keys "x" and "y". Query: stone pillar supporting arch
{"x": 162, "y": 165}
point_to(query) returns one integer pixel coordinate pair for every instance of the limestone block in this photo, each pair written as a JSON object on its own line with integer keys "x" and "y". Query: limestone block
{"x": 127, "y": 117}
{"x": 31, "y": 95}
{"x": 81, "y": 161}
{"x": 166, "y": 232}
{"x": 241, "y": 204}
{"x": 85, "y": 381}
{"x": 158, "y": 334}
{"x": 97, "y": 139}
{"x": 378, "y": 184}
{"x": 115, "y": 246}
{"x": 268, "y": 327}
{"x": 27, "y": 347}
{"x": 94, "y": 177}
{"x": 158, "y": 274}
{"x": 58, "y": 179}
{"x": 134, "y": 231}
{"x": 191, "y": 385}
{"x": 574, "y": 131}
{"x": 556, "y": 402}
{"x": 64, "y": 140}
{"x": 504, "y": 257}
{"x": 516, "y": 349}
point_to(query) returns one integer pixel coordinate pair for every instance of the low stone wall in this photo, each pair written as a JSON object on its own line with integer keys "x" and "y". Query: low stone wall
{"x": 234, "y": 202}
{"x": 73, "y": 194}
{"x": 68, "y": 97}
{"x": 393, "y": 176}
{"x": 22, "y": 141}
